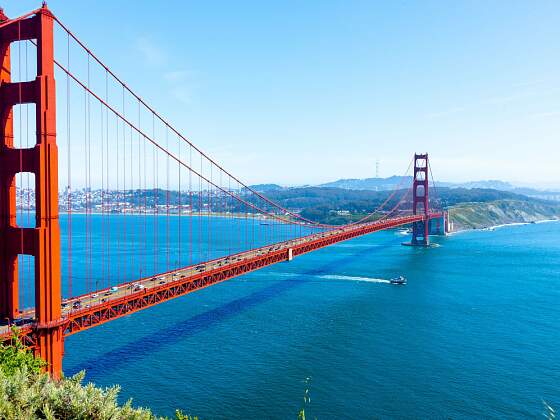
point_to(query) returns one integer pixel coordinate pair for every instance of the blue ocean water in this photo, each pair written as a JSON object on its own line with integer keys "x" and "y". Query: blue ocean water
{"x": 475, "y": 333}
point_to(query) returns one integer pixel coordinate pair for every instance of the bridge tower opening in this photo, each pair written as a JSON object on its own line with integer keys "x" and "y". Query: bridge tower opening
{"x": 420, "y": 200}
{"x": 42, "y": 241}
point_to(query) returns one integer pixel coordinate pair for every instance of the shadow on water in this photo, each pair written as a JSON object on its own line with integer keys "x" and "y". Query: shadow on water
{"x": 140, "y": 348}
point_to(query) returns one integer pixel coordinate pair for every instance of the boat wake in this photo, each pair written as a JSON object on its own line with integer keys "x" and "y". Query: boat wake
{"x": 353, "y": 278}
{"x": 268, "y": 275}
{"x": 323, "y": 277}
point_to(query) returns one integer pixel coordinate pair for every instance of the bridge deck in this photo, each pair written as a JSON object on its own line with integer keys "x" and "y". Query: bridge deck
{"x": 86, "y": 311}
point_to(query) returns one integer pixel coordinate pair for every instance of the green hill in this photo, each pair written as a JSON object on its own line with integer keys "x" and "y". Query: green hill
{"x": 470, "y": 207}
{"x": 475, "y": 215}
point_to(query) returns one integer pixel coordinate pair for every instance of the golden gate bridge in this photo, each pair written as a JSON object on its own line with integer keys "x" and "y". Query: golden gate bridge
{"x": 156, "y": 219}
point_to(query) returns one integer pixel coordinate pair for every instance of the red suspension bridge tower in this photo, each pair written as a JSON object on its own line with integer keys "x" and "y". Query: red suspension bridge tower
{"x": 420, "y": 200}
{"x": 42, "y": 241}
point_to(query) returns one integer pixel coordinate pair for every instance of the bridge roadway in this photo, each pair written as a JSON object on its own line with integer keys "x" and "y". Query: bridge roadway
{"x": 86, "y": 311}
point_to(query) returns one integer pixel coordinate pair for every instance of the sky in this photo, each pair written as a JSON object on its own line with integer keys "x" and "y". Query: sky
{"x": 307, "y": 92}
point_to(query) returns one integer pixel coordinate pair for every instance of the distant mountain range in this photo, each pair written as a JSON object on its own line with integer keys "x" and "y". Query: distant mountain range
{"x": 382, "y": 184}
{"x": 392, "y": 182}
{"x": 267, "y": 187}
{"x": 372, "y": 184}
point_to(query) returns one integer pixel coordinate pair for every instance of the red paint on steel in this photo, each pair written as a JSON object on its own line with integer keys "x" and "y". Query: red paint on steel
{"x": 9, "y": 307}
{"x": 42, "y": 241}
{"x": 420, "y": 201}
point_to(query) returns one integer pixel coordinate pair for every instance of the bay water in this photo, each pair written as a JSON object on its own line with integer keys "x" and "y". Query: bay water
{"x": 474, "y": 333}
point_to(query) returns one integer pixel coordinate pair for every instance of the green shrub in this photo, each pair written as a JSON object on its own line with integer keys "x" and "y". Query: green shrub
{"x": 15, "y": 356}
{"x": 28, "y": 393}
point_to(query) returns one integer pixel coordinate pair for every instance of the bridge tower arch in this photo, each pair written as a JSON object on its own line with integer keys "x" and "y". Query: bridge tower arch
{"x": 43, "y": 240}
{"x": 420, "y": 200}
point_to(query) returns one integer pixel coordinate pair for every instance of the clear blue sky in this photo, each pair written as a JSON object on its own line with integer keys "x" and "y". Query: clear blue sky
{"x": 305, "y": 92}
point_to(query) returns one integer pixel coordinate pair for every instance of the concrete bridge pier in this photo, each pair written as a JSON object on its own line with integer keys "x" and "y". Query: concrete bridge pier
{"x": 438, "y": 226}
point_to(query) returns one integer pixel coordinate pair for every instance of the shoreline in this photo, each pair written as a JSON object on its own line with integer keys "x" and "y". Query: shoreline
{"x": 503, "y": 225}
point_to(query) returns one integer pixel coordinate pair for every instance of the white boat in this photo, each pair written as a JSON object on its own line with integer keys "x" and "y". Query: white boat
{"x": 398, "y": 280}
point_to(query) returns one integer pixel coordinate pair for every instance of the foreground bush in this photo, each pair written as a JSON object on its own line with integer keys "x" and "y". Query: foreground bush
{"x": 27, "y": 393}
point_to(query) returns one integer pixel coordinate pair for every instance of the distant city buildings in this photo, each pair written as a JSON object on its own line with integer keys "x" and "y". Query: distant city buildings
{"x": 142, "y": 202}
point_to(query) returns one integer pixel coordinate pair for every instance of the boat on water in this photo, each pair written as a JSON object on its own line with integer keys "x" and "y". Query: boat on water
{"x": 398, "y": 280}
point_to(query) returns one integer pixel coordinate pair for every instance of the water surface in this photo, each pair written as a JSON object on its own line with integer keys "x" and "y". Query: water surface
{"x": 473, "y": 334}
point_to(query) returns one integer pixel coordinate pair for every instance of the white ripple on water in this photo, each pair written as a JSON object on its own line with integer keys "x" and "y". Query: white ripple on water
{"x": 353, "y": 278}
{"x": 339, "y": 245}
{"x": 324, "y": 277}
{"x": 267, "y": 275}
{"x": 547, "y": 221}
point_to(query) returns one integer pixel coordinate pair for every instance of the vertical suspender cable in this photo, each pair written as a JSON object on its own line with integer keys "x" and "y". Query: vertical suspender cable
{"x": 154, "y": 214}
{"x": 69, "y": 172}
{"x": 210, "y": 218}
{"x": 19, "y": 176}
{"x": 156, "y": 195}
{"x": 27, "y": 145}
{"x": 89, "y": 203}
{"x": 179, "y": 247}
{"x": 200, "y": 213}
{"x": 132, "y": 201}
{"x": 123, "y": 252}
{"x": 118, "y": 197}
{"x": 103, "y": 246}
{"x": 86, "y": 227}
{"x": 167, "y": 194}
{"x": 191, "y": 215}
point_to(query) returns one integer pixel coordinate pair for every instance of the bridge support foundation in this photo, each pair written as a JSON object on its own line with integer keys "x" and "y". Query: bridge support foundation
{"x": 43, "y": 240}
{"x": 438, "y": 226}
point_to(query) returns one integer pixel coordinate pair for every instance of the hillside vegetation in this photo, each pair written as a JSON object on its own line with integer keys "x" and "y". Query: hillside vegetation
{"x": 481, "y": 215}
{"x": 470, "y": 207}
